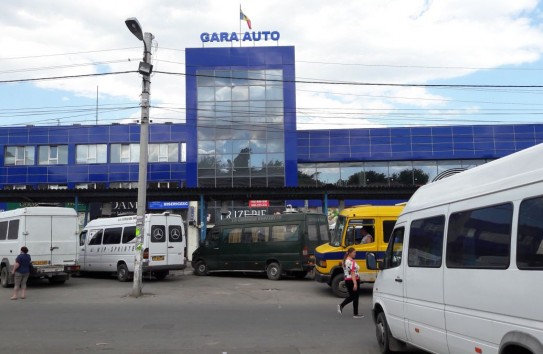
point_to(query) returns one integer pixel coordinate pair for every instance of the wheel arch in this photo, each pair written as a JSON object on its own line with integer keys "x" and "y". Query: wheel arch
{"x": 516, "y": 341}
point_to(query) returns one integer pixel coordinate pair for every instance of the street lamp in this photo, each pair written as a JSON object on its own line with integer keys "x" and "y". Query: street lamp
{"x": 145, "y": 68}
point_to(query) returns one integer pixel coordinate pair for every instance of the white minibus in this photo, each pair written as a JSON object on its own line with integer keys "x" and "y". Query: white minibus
{"x": 108, "y": 245}
{"x": 463, "y": 271}
{"x": 49, "y": 233}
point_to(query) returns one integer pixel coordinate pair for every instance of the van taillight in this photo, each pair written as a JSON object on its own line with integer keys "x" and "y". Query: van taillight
{"x": 146, "y": 253}
{"x": 305, "y": 252}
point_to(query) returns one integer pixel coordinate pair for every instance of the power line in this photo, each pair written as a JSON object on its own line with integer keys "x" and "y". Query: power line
{"x": 67, "y": 77}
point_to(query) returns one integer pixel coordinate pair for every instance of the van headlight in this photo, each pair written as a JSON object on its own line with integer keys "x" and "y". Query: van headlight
{"x": 321, "y": 263}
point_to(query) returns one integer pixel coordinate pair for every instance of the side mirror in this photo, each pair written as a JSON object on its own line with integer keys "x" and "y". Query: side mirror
{"x": 372, "y": 263}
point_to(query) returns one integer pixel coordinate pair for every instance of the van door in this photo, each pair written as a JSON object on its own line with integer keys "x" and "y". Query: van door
{"x": 93, "y": 250}
{"x": 158, "y": 245}
{"x": 389, "y": 285}
{"x": 52, "y": 238}
{"x": 176, "y": 241}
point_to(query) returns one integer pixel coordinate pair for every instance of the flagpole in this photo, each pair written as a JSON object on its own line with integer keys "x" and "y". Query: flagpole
{"x": 240, "y": 25}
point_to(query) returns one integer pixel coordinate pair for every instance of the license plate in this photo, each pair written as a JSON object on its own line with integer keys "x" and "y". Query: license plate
{"x": 40, "y": 262}
{"x": 157, "y": 258}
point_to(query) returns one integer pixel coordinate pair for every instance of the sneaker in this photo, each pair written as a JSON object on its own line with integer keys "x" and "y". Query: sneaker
{"x": 339, "y": 309}
{"x": 358, "y": 316}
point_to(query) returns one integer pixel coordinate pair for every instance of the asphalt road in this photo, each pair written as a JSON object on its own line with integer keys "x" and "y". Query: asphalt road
{"x": 184, "y": 313}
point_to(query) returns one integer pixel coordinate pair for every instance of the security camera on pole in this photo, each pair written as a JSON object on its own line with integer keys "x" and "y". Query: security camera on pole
{"x": 145, "y": 69}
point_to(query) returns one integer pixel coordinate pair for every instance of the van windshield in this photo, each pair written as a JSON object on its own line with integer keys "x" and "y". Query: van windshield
{"x": 337, "y": 233}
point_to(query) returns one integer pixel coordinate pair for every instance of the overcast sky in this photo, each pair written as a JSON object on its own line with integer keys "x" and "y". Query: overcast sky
{"x": 414, "y": 42}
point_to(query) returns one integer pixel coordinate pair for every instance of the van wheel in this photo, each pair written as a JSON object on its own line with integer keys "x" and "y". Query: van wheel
{"x": 383, "y": 333}
{"x": 122, "y": 273}
{"x": 338, "y": 286}
{"x": 4, "y": 277}
{"x": 273, "y": 271}
{"x": 201, "y": 268}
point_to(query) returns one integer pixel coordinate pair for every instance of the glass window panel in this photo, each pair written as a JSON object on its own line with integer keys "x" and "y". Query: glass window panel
{"x": 224, "y": 146}
{"x": 205, "y": 172}
{"x": 480, "y": 238}
{"x": 240, "y": 134}
{"x": 239, "y": 146}
{"x": 424, "y": 171}
{"x": 258, "y": 107}
{"x": 307, "y": 175}
{"x": 223, "y": 132}
{"x": 43, "y": 155}
{"x": 63, "y": 154}
{"x": 205, "y": 133}
{"x": 239, "y": 77}
{"x": 472, "y": 163}
{"x": 125, "y": 153}
{"x": 276, "y": 146}
{"x": 115, "y": 152}
{"x": 173, "y": 153}
{"x": 206, "y": 161}
{"x": 275, "y": 133}
{"x": 274, "y": 111}
{"x": 206, "y": 94}
{"x": 223, "y": 93}
{"x": 101, "y": 150}
{"x": 257, "y": 93}
{"x": 9, "y": 155}
{"x": 241, "y": 161}
{"x": 240, "y": 110}
{"x": 257, "y": 146}
{"x": 223, "y": 182}
{"x": 274, "y": 77}
{"x": 29, "y": 155}
{"x": 240, "y": 93}
{"x": 376, "y": 173}
{"x": 223, "y": 78}
{"x": 530, "y": 235}
{"x": 401, "y": 173}
{"x": 443, "y": 166}
{"x": 206, "y": 147}
{"x": 153, "y": 152}
{"x": 257, "y": 77}
{"x": 426, "y": 242}
{"x": 274, "y": 92}
{"x": 134, "y": 152}
{"x": 352, "y": 174}
{"x": 258, "y": 132}
{"x": 258, "y": 162}
{"x": 205, "y": 78}
{"x": 328, "y": 173}
{"x": 81, "y": 153}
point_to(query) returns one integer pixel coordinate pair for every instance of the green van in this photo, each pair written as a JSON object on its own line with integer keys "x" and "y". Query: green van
{"x": 275, "y": 244}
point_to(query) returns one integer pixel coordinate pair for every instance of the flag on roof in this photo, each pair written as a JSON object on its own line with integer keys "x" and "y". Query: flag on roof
{"x": 242, "y": 17}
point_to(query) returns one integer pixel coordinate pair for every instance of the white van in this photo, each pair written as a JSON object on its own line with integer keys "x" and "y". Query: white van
{"x": 49, "y": 233}
{"x": 463, "y": 271}
{"x": 108, "y": 245}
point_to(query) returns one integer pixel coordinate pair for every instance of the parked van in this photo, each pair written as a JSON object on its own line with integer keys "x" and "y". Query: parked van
{"x": 49, "y": 233}
{"x": 377, "y": 221}
{"x": 109, "y": 244}
{"x": 275, "y": 244}
{"x": 463, "y": 271}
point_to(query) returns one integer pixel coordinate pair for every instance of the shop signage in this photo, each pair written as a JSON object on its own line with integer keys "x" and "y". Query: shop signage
{"x": 259, "y": 203}
{"x": 168, "y": 205}
{"x": 237, "y": 37}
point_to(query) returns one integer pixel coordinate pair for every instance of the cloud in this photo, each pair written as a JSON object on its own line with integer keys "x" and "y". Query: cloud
{"x": 396, "y": 41}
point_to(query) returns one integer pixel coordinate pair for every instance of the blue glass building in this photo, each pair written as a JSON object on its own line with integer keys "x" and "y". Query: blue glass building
{"x": 240, "y": 131}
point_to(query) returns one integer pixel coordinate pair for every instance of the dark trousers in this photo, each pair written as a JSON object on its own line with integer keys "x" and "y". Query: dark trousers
{"x": 353, "y": 295}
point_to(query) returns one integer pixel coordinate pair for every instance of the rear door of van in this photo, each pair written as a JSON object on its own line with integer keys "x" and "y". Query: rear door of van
{"x": 176, "y": 241}
{"x": 158, "y": 240}
{"x": 52, "y": 239}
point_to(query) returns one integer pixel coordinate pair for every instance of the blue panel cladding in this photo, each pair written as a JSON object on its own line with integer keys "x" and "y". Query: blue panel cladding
{"x": 158, "y": 167}
{"x": 160, "y": 176}
{"x": 37, "y": 174}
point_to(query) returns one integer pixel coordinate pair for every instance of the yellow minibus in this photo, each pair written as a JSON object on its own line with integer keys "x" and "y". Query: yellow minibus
{"x": 367, "y": 228}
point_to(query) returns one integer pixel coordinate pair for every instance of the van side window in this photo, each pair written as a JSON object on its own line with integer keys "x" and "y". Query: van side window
{"x": 3, "y": 230}
{"x": 175, "y": 234}
{"x": 530, "y": 235}
{"x": 388, "y": 226}
{"x": 96, "y": 239}
{"x": 426, "y": 242}
{"x": 158, "y": 233}
{"x": 480, "y": 238}
{"x": 13, "y": 230}
{"x": 112, "y": 236}
{"x": 232, "y": 235}
{"x": 324, "y": 232}
{"x": 82, "y": 237}
{"x": 129, "y": 233}
{"x": 255, "y": 234}
{"x": 393, "y": 255}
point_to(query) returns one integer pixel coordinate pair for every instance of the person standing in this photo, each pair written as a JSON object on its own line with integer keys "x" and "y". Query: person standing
{"x": 21, "y": 270}
{"x": 352, "y": 282}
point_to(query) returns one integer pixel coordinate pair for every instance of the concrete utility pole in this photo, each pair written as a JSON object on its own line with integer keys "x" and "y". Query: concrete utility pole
{"x": 145, "y": 69}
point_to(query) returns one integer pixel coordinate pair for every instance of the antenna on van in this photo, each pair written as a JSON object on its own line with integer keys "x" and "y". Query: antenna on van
{"x": 289, "y": 209}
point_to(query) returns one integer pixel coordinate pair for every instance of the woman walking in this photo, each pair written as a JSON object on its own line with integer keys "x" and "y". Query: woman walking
{"x": 352, "y": 282}
{"x": 21, "y": 270}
